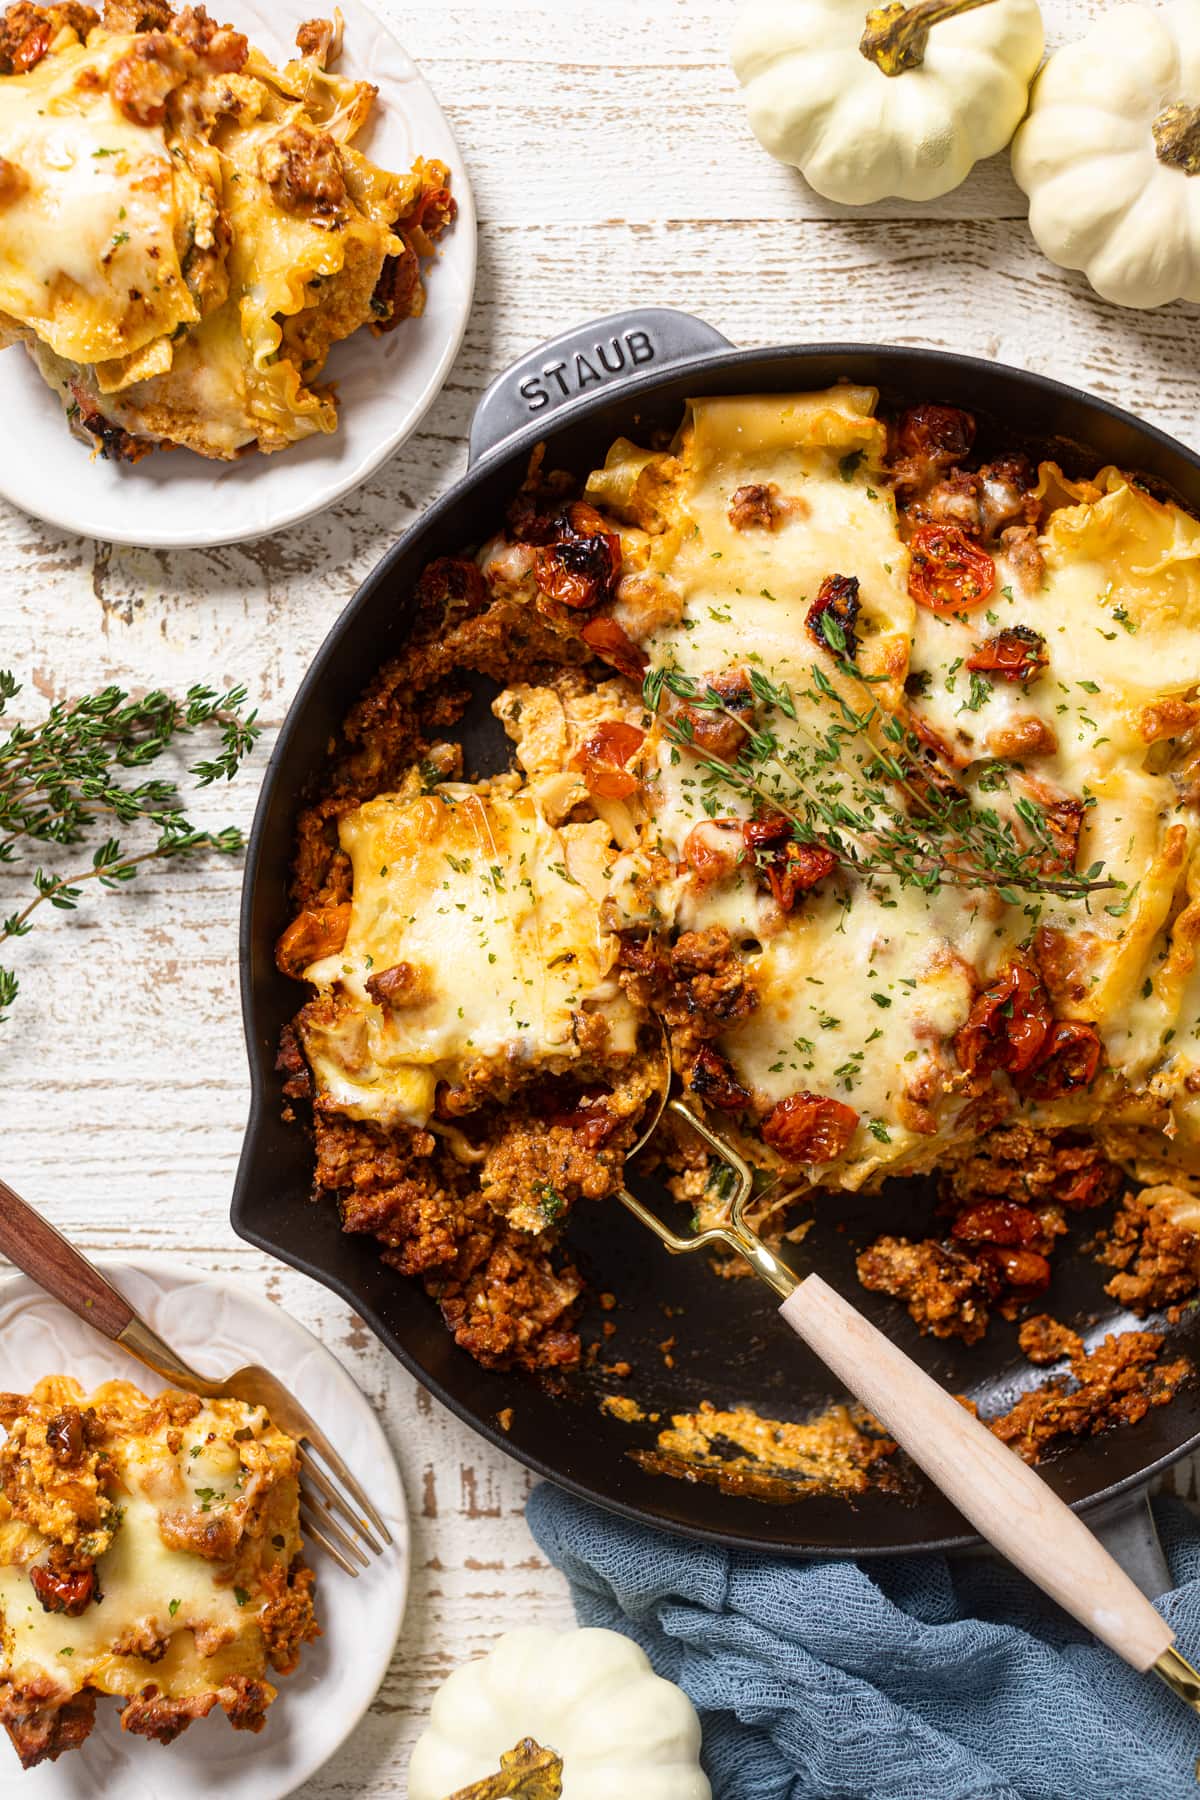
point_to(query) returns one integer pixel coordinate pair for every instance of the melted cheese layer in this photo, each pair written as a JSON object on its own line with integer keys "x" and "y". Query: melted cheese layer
{"x": 88, "y": 257}
{"x": 494, "y": 916}
{"x": 166, "y": 278}
{"x": 862, "y": 987}
{"x": 168, "y": 1615}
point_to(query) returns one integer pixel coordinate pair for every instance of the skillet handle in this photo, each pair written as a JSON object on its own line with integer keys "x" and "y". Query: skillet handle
{"x": 602, "y": 353}
{"x": 1003, "y": 1498}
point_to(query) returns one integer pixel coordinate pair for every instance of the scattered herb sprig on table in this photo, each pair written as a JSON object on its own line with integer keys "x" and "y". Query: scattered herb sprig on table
{"x": 858, "y": 783}
{"x": 61, "y": 781}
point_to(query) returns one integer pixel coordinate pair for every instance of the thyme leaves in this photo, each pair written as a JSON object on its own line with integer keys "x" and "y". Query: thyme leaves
{"x": 63, "y": 778}
{"x": 858, "y": 779}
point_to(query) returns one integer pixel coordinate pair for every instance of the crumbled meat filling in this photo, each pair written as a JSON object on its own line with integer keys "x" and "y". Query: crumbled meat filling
{"x": 303, "y": 169}
{"x": 27, "y": 32}
{"x": 505, "y": 1296}
{"x": 1018, "y": 1163}
{"x": 137, "y": 15}
{"x": 1116, "y": 1384}
{"x": 143, "y": 80}
{"x": 319, "y": 38}
{"x": 943, "y": 1288}
{"x": 755, "y": 508}
{"x": 41, "y": 1728}
{"x": 1006, "y": 1201}
{"x": 1157, "y": 1258}
{"x": 244, "y": 1699}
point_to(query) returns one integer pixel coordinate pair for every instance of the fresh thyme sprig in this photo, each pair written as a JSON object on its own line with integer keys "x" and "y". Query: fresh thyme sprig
{"x": 856, "y": 783}
{"x": 59, "y": 779}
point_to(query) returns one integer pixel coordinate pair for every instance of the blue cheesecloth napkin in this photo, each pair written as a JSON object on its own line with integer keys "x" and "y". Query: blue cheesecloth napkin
{"x": 916, "y": 1678}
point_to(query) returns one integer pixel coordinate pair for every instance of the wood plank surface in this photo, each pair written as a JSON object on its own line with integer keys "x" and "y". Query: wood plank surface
{"x": 612, "y": 166}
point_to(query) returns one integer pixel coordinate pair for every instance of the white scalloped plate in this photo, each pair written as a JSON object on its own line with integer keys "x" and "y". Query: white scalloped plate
{"x": 177, "y": 500}
{"x": 221, "y": 1325}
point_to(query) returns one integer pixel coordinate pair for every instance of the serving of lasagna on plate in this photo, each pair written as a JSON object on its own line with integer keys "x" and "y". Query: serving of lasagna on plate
{"x": 186, "y": 229}
{"x": 149, "y": 1550}
{"x": 864, "y": 762}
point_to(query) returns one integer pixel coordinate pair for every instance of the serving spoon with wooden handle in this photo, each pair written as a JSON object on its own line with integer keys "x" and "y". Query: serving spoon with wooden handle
{"x": 1001, "y": 1496}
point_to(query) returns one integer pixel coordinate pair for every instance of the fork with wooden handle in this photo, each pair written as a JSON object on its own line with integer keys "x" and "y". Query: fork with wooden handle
{"x": 1006, "y": 1502}
{"x": 327, "y": 1487}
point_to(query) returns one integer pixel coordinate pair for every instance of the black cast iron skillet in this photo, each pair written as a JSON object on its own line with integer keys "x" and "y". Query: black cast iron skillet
{"x": 631, "y": 374}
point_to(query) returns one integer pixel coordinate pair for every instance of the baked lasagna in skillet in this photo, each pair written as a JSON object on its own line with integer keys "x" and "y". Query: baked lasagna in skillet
{"x": 186, "y": 230}
{"x": 150, "y": 1550}
{"x": 866, "y": 763}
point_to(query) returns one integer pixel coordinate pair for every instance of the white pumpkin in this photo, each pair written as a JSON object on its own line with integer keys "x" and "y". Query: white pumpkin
{"x": 589, "y": 1695}
{"x": 900, "y": 100}
{"x": 1110, "y": 156}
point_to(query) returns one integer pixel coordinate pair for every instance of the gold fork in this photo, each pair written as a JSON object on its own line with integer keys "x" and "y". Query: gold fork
{"x": 327, "y": 1487}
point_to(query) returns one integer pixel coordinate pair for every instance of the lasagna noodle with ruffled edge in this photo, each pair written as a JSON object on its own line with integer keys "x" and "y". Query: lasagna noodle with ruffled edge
{"x": 473, "y": 951}
{"x": 1028, "y": 639}
{"x": 186, "y": 230}
{"x": 150, "y": 1550}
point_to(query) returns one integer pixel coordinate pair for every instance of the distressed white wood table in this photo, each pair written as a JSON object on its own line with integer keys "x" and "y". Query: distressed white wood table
{"x": 612, "y": 165}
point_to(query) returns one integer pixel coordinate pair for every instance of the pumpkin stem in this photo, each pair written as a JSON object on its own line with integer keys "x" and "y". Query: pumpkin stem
{"x": 897, "y": 36}
{"x": 1177, "y": 137}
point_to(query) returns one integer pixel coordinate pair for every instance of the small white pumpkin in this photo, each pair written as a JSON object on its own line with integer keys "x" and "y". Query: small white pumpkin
{"x": 590, "y": 1695}
{"x": 1110, "y": 156}
{"x": 899, "y": 100}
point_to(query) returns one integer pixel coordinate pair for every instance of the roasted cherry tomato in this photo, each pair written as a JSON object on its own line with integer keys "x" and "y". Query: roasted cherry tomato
{"x": 591, "y": 1120}
{"x": 1015, "y": 654}
{"x": 613, "y": 645}
{"x": 997, "y": 1222}
{"x": 1026, "y": 1269}
{"x": 66, "y": 1438}
{"x": 948, "y": 573}
{"x": 32, "y": 48}
{"x": 939, "y": 435}
{"x": 452, "y": 582}
{"x": 809, "y": 1128}
{"x": 645, "y": 957}
{"x": 1070, "y": 1059}
{"x": 1008, "y": 1025}
{"x": 602, "y": 757}
{"x": 1089, "y": 1186}
{"x": 433, "y": 213}
{"x": 790, "y": 868}
{"x": 70, "y": 1590}
{"x": 833, "y": 615}
{"x": 713, "y": 849}
{"x": 579, "y": 567}
{"x": 712, "y": 1080}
